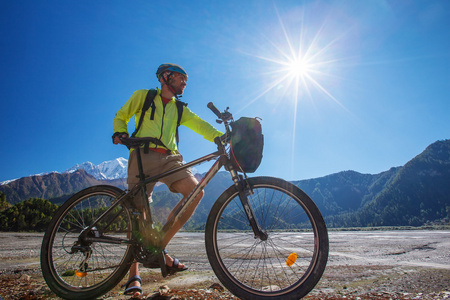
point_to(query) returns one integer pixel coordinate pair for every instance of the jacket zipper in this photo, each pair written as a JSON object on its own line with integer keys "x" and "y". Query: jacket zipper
{"x": 162, "y": 121}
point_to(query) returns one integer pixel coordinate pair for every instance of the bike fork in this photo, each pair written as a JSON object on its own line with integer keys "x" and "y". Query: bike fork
{"x": 244, "y": 191}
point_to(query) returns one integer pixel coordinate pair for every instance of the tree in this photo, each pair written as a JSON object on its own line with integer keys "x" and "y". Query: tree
{"x": 3, "y": 203}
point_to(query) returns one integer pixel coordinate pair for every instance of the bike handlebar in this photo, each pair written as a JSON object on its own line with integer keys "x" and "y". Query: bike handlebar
{"x": 214, "y": 110}
{"x": 224, "y": 117}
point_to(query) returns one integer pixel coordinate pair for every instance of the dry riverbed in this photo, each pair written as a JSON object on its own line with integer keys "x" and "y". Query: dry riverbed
{"x": 362, "y": 265}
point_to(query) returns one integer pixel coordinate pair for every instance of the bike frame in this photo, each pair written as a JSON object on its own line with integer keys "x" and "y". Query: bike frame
{"x": 222, "y": 159}
{"x": 141, "y": 188}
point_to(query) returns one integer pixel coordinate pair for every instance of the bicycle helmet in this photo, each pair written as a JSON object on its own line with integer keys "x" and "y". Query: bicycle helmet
{"x": 170, "y": 67}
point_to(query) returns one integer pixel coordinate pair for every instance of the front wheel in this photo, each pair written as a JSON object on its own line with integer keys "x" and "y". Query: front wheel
{"x": 78, "y": 263}
{"x": 286, "y": 265}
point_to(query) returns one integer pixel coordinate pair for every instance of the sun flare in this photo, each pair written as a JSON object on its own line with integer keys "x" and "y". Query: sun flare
{"x": 298, "y": 66}
{"x": 300, "y": 62}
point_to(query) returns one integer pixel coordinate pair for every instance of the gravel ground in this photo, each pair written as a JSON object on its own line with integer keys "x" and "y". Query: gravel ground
{"x": 361, "y": 265}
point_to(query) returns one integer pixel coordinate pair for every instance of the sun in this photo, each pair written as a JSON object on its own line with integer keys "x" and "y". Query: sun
{"x": 298, "y": 67}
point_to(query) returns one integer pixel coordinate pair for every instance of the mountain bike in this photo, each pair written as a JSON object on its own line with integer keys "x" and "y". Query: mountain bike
{"x": 265, "y": 238}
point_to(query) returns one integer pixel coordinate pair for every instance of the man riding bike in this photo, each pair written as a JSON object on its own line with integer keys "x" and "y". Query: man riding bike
{"x": 160, "y": 122}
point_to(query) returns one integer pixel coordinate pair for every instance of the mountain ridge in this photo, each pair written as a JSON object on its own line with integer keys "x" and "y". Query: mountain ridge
{"x": 53, "y": 185}
{"x": 107, "y": 170}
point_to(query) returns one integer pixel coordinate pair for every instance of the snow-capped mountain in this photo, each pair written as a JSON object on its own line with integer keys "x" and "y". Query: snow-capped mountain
{"x": 112, "y": 169}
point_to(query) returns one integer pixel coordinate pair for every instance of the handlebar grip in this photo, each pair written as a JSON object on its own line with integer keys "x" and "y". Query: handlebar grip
{"x": 214, "y": 109}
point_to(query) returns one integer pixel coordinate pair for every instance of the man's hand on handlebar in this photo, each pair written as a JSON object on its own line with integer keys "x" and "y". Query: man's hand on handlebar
{"x": 117, "y": 136}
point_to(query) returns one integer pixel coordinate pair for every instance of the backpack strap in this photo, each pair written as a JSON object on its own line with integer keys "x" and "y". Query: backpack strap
{"x": 148, "y": 102}
{"x": 180, "y": 107}
{"x": 152, "y": 115}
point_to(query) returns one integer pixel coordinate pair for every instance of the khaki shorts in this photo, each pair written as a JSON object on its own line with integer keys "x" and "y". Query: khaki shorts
{"x": 154, "y": 163}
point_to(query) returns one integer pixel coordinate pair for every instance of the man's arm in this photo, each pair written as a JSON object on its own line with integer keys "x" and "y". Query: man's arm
{"x": 123, "y": 116}
{"x": 198, "y": 125}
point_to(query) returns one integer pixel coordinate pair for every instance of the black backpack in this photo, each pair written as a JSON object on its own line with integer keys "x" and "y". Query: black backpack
{"x": 149, "y": 101}
{"x": 247, "y": 142}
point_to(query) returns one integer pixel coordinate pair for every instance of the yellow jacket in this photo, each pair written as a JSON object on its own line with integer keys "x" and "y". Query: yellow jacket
{"x": 163, "y": 127}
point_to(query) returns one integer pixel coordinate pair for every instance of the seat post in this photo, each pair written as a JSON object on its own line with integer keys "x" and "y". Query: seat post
{"x": 139, "y": 162}
{"x": 147, "y": 216}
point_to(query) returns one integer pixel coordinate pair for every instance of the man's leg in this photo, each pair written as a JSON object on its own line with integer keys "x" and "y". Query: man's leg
{"x": 134, "y": 270}
{"x": 185, "y": 187}
{"x": 139, "y": 205}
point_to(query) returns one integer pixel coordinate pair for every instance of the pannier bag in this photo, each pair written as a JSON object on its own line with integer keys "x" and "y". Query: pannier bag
{"x": 247, "y": 142}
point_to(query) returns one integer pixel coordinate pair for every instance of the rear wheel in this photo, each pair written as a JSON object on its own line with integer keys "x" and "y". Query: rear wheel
{"x": 77, "y": 264}
{"x": 286, "y": 265}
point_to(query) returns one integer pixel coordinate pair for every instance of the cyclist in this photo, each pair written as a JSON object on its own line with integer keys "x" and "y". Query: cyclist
{"x": 159, "y": 158}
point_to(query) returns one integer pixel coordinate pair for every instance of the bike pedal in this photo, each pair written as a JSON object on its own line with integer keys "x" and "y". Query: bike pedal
{"x": 162, "y": 264}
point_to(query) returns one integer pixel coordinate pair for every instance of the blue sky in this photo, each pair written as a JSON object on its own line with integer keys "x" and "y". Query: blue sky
{"x": 339, "y": 85}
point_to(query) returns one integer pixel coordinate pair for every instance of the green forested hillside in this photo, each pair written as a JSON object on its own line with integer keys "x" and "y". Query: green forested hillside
{"x": 30, "y": 215}
{"x": 345, "y": 191}
{"x": 420, "y": 192}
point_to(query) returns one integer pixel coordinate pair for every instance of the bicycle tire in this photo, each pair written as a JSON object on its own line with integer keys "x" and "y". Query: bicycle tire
{"x": 107, "y": 264}
{"x": 297, "y": 235}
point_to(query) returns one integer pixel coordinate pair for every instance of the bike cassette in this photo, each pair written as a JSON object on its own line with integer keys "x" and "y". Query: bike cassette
{"x": 146, "y": 256}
